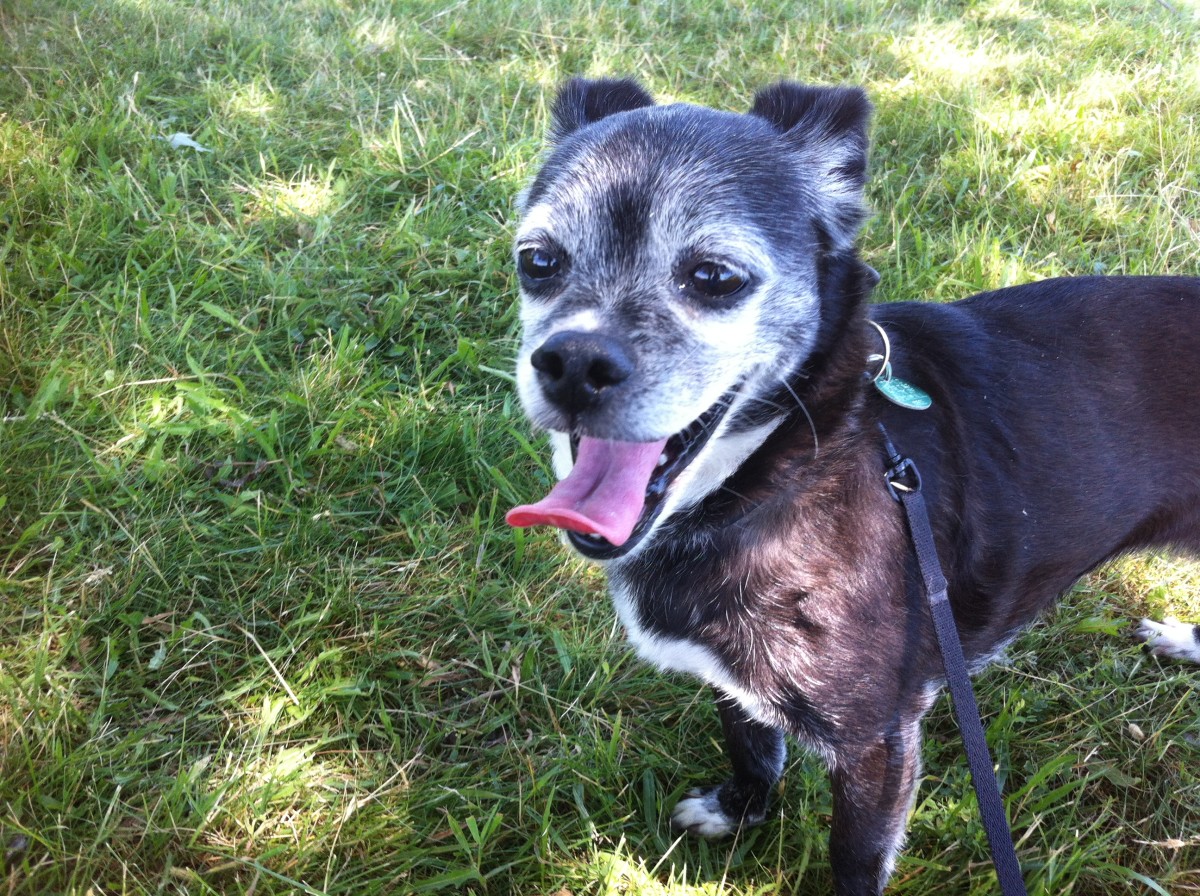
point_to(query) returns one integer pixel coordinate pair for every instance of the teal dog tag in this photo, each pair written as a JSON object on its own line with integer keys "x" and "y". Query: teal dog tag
{"x": 901, "y": 393}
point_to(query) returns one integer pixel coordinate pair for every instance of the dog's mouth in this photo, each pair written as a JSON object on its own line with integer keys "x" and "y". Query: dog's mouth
{"x": 616, "y": 490}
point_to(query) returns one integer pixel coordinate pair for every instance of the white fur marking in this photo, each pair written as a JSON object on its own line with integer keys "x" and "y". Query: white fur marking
{"x": 681, "y": 655}
{"x": 1170, "y": 638}
{"x": 537, "y": 218}
{"x": 560, "y": 445}
{"x": 719, "y": 460}
{"x": 700, "y": 813}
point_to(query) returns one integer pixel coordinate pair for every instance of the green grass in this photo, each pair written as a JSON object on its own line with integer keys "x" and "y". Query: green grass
{"x": 262, "y": 629}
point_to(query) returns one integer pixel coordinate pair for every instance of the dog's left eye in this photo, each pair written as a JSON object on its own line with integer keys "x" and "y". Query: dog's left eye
{"x": 715, "y": 280}
{"x": 538, "y": 264}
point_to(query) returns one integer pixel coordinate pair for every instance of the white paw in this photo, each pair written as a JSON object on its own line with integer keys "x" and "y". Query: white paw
{"x": 700, "y": 813}
{"x": 1170, "y": 638}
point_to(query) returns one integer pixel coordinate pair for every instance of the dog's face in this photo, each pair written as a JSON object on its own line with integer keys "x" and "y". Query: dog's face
{"x": 670, "y": 270}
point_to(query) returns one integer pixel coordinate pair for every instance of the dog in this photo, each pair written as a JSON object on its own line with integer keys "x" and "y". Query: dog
{"x": 699, "y": 345}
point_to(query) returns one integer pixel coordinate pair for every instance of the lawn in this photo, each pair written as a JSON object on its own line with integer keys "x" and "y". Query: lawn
{"x": 262, "y": 628}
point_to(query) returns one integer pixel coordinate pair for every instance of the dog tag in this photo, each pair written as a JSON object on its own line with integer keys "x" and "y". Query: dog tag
{"x": 902, "y": 393}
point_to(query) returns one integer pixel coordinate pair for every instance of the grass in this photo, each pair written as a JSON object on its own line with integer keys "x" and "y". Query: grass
{"x": 264, "y": 630}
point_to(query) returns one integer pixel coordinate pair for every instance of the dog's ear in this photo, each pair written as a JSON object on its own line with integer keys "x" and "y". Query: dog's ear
{"x": 581, "y": 102}
{"x": 827, "y": 128}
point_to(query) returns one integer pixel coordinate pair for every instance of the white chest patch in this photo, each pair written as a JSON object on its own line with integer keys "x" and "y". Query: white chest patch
{"x": 681, "y": 655}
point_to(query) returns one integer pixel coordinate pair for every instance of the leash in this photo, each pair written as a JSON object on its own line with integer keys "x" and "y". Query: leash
{"x": 904, "y": 483}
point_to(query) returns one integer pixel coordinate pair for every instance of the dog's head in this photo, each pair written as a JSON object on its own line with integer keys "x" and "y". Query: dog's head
{"x": 671, "y": 261}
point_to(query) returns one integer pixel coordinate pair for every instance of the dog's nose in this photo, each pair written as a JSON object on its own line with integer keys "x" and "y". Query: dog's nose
{"x": 577, "y": 369}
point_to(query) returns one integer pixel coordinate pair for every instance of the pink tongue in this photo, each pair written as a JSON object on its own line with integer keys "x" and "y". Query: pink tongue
{"x": 602, "y": 495}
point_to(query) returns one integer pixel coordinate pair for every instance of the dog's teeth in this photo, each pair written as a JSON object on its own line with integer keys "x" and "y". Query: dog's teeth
{"x": 662, "y": 459}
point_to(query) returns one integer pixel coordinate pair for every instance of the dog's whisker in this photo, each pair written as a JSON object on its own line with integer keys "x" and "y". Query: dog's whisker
{"x": 729, "y": 491}
{"x": 774, "y": 405}
{"x": 811, "y": 423}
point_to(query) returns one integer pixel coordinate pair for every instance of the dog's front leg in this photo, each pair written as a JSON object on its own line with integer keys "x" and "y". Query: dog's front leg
{"x": 873, "y": 790}
{"x": 757, "y": 753}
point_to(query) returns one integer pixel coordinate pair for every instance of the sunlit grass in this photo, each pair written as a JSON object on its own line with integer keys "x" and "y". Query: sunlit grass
{"x": 264, "y": 628}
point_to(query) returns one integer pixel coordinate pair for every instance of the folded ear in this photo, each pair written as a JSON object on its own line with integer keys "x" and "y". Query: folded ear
{"x": 827, "y": 129}
{"x": 582, "y": 101}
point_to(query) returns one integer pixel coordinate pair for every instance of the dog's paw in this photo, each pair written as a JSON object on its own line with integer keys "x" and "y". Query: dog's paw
{"x": 700, "y": 813}
{"x": 1170, "y": 638}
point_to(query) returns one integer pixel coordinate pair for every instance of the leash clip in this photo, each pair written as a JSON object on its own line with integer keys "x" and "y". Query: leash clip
{"x": 902, "y": 476}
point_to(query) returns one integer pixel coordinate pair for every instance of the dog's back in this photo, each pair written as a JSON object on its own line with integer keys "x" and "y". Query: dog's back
{"x": 1064, "y": 433}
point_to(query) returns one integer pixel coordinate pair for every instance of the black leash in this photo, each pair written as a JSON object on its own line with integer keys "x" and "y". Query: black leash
{"x": 904, "y": 482}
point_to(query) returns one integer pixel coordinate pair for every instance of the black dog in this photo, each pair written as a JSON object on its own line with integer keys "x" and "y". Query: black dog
{"x": 699, "y": 343}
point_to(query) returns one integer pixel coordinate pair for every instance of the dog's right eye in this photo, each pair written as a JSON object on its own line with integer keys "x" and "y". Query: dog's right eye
{"x": 538, "y": 264}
